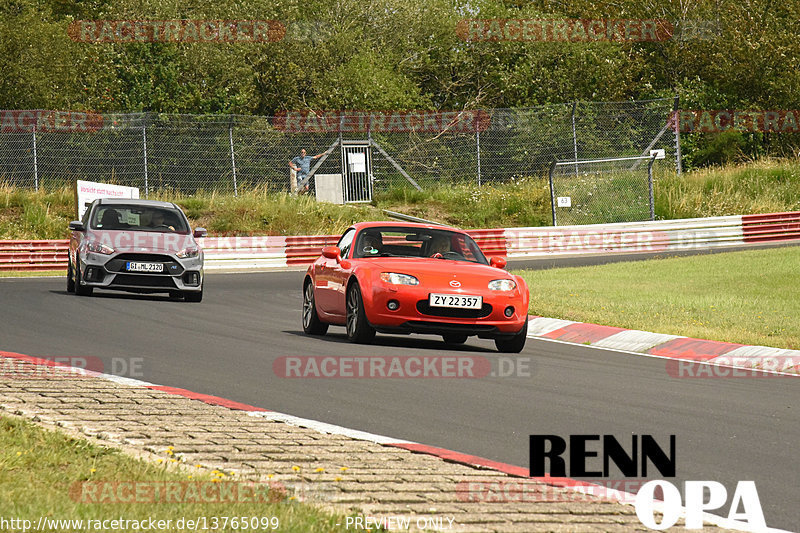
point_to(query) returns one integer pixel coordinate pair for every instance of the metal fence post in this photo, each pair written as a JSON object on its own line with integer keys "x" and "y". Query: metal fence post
{"x": 478, "y": 146}
{"x": 35, "y": 162}
{"x": 574, "y": 137}
{"x": 233, "y": 160}
{"x": 678, "y": 163}
{"x": 144, "y": 145}
{"x": 553, "y": 191}
{"x": 650, "y": 186}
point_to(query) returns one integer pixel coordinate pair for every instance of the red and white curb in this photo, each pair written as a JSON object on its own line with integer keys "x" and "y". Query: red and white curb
{"x": 447, "y": 455}
{"x": 724, "y": 354}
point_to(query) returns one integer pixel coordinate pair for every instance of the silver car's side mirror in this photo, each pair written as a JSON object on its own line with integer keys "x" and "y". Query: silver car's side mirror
{"x": 76, "y": 225}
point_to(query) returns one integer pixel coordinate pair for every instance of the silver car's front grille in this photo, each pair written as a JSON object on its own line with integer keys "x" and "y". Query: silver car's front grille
{"x": 135, "y": 280}
{"x": 171, "y": 267}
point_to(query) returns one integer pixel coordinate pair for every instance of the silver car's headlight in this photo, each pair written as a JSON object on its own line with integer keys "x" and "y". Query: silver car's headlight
{"x": 99, "y": 248}
{"x": 502, "y": 285}
{"x": 399, "y": 279}
{"x": 192, "y": 251}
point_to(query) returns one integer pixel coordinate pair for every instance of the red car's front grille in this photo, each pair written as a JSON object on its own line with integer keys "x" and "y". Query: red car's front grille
{"x": 447, "y": 312}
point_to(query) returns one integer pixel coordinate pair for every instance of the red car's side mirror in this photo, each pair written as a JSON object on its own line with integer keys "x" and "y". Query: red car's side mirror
{"x": 332, "y": 252}
{"x": 498, "y": 262}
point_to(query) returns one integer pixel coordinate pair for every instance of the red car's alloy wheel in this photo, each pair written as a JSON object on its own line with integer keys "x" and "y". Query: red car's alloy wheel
{"x": 311, "y": 322}
{"x": 358, "y": 329}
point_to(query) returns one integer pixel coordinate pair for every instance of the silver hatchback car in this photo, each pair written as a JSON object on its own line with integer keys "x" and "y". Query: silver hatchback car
{"x": 139, "y": 246}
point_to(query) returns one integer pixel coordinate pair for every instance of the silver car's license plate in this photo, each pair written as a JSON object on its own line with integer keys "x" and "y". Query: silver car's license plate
{"x": 458, "y": 301}
{"x": 132, "y": 266}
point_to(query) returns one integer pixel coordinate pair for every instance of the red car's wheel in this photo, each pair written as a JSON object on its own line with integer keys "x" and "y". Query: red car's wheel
{"x": 312, "y": 325}
{"x": 358, "y": 329}
{"x": 513, "y": 344}
{"x": 454, "y": 338}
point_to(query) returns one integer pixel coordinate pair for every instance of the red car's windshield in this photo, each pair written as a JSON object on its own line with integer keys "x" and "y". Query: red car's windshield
{"x": 417, "y": 242}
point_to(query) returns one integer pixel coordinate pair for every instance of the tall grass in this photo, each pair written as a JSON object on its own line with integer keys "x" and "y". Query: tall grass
{"x": 26, "y": 214}
{"x": 764, "y": 186}
{"x": 760, "y": 187}
{"x": 523, "y": 202}
{"x": 260, "y": 211}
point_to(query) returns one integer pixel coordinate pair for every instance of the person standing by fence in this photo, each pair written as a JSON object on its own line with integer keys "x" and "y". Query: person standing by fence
{"x": 302, "y": 166}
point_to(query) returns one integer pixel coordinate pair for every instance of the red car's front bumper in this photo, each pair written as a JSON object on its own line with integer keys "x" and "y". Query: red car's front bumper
{"x": 414, "y": 314}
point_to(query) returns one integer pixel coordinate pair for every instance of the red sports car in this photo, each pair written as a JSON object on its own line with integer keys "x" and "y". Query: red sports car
{"x": 414, "y": 278}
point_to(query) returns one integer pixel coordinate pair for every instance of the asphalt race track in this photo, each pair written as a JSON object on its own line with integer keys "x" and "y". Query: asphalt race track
{"x": 726, "y": 429}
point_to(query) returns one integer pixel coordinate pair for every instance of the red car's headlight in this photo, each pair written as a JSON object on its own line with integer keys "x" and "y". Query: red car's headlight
{"x": 399, "y": 279}
{"x": 502, "y": 285}
{"x": 99, "y": 248}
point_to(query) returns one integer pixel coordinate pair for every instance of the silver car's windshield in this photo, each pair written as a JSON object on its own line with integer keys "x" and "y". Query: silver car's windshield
{"x": 138, "y": 218}
{"x": 417, "y": 242}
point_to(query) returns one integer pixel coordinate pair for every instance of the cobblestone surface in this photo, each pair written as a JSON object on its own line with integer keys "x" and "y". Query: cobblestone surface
{"x": 333, "y": 471}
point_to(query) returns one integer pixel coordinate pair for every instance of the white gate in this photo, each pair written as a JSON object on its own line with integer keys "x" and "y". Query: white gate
{"x": 356, "y": 171}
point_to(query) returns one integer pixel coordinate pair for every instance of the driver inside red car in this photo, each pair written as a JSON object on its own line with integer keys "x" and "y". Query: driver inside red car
{"x": 371, "y": 244}
{"x": 440, "y": 245}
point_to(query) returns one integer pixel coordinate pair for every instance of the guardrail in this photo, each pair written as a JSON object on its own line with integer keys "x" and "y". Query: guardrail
{"x": 243, "y": 253}
{"x": 33, "y": 255}
{"x": 771, "y": 227}
{"x": 658, "y": 236}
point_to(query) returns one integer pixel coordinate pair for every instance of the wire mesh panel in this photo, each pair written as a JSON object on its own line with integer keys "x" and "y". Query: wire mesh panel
{"x": 113, "y": 153}
{"x": 262, "y": 152}
{"x": 601, "y": 191}
{"x": 16, "y": 159}
{"x": 226, "y": 153}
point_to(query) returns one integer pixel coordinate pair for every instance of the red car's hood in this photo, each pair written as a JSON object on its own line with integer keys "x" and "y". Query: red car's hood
{"x": 142, "y": 241}
{"x": 440, "y": 271}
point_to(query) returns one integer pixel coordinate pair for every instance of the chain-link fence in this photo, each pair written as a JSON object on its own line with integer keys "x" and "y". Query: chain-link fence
{"x": 227, "y": 153}
{"x": 594, "y": 191}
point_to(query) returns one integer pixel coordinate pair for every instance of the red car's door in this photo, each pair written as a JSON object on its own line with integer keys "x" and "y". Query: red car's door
{"x": 329, "y": 278}
{"x": 338, "y": 285}
{"x": 323, "y": 270}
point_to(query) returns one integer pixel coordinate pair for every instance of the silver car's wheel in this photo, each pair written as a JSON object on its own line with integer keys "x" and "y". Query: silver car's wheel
{"x": 358, "y": 329}
{"x": 193, "y": 296}
{"x": 312, "y": 325}
{"x": 81, "y": 290}
{"x": 70, "y": 279}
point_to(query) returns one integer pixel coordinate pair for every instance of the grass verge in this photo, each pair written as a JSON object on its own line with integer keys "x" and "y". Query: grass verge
{"x": 34, "y": 274}
{"x": 748, "y": 297}
{"x": 759, "y": 187}
{"x": 39, "y": 468}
